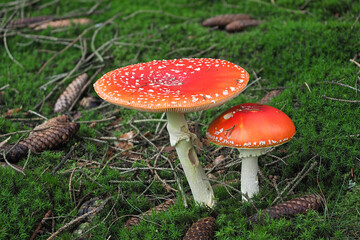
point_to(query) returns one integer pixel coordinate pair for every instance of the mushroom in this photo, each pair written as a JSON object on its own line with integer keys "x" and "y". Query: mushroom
{"x": 177, "y": 87}
{"x": 254, "y": 129}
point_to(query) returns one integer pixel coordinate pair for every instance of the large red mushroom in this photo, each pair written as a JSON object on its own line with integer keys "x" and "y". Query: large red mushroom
{"x": 254, "y": 129}
{"x": 176, "y": 87}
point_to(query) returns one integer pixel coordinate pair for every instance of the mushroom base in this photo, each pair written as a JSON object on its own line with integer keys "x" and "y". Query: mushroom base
{"x": 249, "y": 178}
{"x": 181, "y": 138}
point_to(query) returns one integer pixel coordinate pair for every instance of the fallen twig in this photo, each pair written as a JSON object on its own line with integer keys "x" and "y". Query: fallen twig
{"x": 78, "y": 219}
{"x": 353, "y": 61}
{"x": 10, "y": 165}
{"x": 64, "y": 49}
{"x": 340, "y": 99}
{"x": 9, "y": 54}
{"x": 296, "y": 180}
{"x": 33, "y": 236}
{"x": 63, "y": 160}
{"x": 152, "y": 12}
{"x": 343, "y": 85}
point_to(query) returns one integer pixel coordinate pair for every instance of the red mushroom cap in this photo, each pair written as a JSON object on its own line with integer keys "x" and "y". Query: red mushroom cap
{"x": 179, "y": 85}
{"x": 251, "y": 125}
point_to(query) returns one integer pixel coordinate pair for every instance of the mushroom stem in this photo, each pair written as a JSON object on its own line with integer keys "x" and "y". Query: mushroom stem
{"x": 181, "y": 138}
{"x": 249, "y": 178}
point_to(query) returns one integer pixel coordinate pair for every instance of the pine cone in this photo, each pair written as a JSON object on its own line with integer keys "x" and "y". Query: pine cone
{"x": 56, "y": 132}
{"x": 70, "y": 94}
{"x": 202, "y": 229}
{"x": 25, "y": 22}
{"x": 63, "y": 23}
{"x": 289, "y": 208}
{"x": 50, "y": 138}
{"x": 239, "y": 25}
{"x": 159, "y": 208}
{"x": 223, "y": 20}
{"x": 51, "y": 122}
{"x": 15, "y": 152}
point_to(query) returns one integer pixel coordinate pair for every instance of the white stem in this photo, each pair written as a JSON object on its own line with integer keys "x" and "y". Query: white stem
{"x": 249, "y": 178}
{"x": 181, "y": 138}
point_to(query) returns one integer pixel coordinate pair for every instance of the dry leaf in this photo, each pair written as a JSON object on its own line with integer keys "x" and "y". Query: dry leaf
{"x": 270, "y": 95}
{"x": 168, "y": 149}
{"x": 289, "y": 208}
{"x": 202, "y": 229}
{"x": 63, "y": 23}
{"x": 241, "y": 24}
{"x": 223, "y": 20}
{"x": 70, "y": 94}
{"x": 159, "y": 208}
{"x": 125, "y": 144}
{"x": 10, "y": 113}
{"x": 218, "y": 159}
{"x": 128, "y": 135}
{"x": 211, "y": 176}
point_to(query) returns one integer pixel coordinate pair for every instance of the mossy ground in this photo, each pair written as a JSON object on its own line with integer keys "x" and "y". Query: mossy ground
{"x": 300, "y": 47}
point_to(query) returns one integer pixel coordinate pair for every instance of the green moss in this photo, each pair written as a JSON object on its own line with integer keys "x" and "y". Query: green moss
{"x": 299, "y": 46}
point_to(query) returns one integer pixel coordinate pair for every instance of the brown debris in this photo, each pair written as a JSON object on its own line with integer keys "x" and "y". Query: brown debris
{"x": 54, "y": 133}
{"x": 289, "y": 208}
{"x": 38, "y": 228}
{"x": 202, "y": 229}
{"x": 90, "y": 102}
{"x": 125, "y": 144}
{"x": 63, "y": 23}
{"x": 10, "y": 113}
{"x": 159, "y": 208}
{"x": 270, "y": 95}
{"x": 29, "y": 22}
{"x": 223, "y": 20}
{"x": 70, "y": 94}
{"x": 219, "y": 159}
{"x": 239, "y": 25}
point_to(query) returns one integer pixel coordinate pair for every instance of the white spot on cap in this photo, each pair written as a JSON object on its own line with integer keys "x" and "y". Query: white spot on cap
{"x": 228, "y": 115}
{"x": 225, "y": 92}
{"x": 218, "y": 132}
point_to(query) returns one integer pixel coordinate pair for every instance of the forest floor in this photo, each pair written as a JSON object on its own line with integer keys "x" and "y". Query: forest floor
{"x": 303, "y": 58}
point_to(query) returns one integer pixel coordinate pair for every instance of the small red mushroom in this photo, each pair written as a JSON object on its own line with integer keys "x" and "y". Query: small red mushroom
{"x": 176, "y": 87}
{"x": 254, "y": 129}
